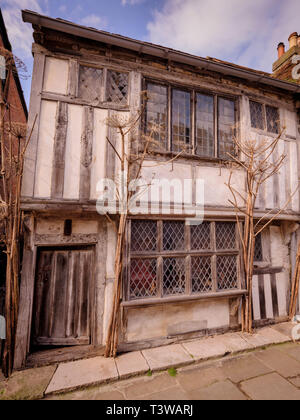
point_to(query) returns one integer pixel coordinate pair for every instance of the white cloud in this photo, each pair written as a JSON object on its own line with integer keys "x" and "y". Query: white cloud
{"x": 20, "y": 33}
{"x": 243, "y": 32}
{"x": 93, "y": 21}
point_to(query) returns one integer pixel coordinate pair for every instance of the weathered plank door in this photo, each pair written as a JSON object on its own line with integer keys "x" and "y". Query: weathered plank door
{"x": 63, "y": 297}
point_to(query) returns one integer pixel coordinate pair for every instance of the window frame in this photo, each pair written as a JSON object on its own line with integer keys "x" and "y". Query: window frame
{"x": 103, "y": 81}
{"x": 265, "y": 122}
{"x": 187, "y": 253}
{"x": 193, "y": 117}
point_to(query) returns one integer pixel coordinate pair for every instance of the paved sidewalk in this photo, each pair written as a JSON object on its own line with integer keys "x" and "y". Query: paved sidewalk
{"x": 241, "y": 377}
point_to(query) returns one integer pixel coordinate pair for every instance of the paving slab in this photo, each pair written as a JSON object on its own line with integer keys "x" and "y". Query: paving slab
{"x": 82, "y": 373}
{"x": 295, "y": 382}
{"x": 206, "y": 348}
{"x": 89, "y": 395}
{"x": 265, "y": 337}
{"x": 221, "y": 391}
{"x": 198, "y": 377}
{"x": 130, "y": 364}
{"x": 173, "y": 394}
{"x": 27, "y": 384}
{"x": 149, "y": 385}
{"x": 279, "y": 362}
{"x": 234, "y": 342}
{"x": 284, "y": 328}
{"x": 270, "y": 387}
{"x": 167, "y": 357}
{"x": 292, "y": 350}
{"x": 244, "y": 368}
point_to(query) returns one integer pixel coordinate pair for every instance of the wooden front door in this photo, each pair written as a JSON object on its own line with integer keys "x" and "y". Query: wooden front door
{"x": 63, "y": 293}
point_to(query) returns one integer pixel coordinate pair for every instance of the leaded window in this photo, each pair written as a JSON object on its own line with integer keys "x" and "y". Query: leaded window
{"x": 264, "y": 117}
{"x": 172, "y": 258}
{"x": 101, "y": 85}
{"x": 191, "y": 122}
{"x": 258, "y": 250}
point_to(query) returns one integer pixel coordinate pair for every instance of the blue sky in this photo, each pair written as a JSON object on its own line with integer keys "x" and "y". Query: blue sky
{"x": 241, "y": 31}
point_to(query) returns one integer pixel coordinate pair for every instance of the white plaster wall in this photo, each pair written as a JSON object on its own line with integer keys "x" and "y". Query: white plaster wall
{"x": 49, "y": 227}
{"x": 73, "y": 152}
{"x": 99, "y": 150}
{"x": 294, "y": 174}
{"x": 110, "y": 272}
{"x": 56, "y": 76}
{"x": 43, "y": 175}
{"x": 216, "y": 193}
{"x": 153, "y": 322}
{"x": 84, "y": 227}
{"x": 288, "y": 121}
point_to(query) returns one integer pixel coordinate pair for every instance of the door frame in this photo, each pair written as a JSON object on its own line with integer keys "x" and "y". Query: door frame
{"x": 92, "y": 289}
{"x": 32, "y": 242}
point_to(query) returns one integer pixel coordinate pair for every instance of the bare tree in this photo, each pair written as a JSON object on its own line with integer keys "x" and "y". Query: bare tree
{"x": 256, "y": 159}
{"x": 136, "y": 145}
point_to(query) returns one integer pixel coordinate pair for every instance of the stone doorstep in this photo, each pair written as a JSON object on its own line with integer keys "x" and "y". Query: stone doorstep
{"x": 99, "y": 370}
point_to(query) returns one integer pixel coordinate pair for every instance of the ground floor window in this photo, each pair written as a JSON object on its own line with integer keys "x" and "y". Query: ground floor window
{"x": 168, "y": 258}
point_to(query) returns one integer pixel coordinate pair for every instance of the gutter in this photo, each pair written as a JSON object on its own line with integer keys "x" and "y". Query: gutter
{"x": 154, "y": 50}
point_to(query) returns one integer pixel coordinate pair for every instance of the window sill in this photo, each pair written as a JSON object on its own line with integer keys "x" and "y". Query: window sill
{"x": 171, "y": 155}
{"x": 183, "y": 299}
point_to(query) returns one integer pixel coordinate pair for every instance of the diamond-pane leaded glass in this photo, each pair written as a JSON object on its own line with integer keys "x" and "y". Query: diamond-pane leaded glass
{"x": 173, "y": 236}
{"x": 272, "y": 115}
{"x": 258, "y": 253}
{"x": 225, "y": 235}
{"x": 205, "y": 138}
{"x": 226, "y": 128}
{"x": 89, "y": 87}
{"x": 227, "y": 272}
{"x": 143, "y": 236}
{"x": 143, "y": 280}
{"x": 200, "y": 236}
{"x": 174, "y": 275}
{"x": 257, "y": 115}
{"x": 117, "y": 87}
{"x": 201, "y": 275}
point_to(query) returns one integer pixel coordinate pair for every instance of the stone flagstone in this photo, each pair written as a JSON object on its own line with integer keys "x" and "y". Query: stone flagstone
{"x": 206, "y": 348}
{"x": 167, "y": 357}
{"x": 83, "y": 373}
{"x": 131, "y": 364}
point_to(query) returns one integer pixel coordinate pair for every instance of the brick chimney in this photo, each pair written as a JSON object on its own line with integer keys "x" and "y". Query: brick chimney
{"x": 287, "y": 60}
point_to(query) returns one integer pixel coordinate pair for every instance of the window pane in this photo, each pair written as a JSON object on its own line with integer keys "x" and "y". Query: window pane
{"x": 225, "y": 235}
{"x": 258, "y": 253}
{"x": 117, "y": 87}
{"x": 272, "y": 119}
{"x": 143, "y": 278}
{"x": 201, "y": 275}
{"x": 173, "y": 236}
{"x": 257, "y": 115}
{"x": 181, "y": 120}
{"x": 205, "y": 126}
{"x": 227, "y": 272}
{"x": 200, "y": 236}
{"x": 174, "y": 276}
{"x": 157, "y": 113}
{"x": 226, "y": 127}
{"x": 143, "y": 236}
{"x": 89, "y": 87}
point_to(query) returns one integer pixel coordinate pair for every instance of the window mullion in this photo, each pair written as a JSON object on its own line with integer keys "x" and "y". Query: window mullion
{"x": 193, "y": 122}
{"x": 214, "y": 257}
{"x": 188, "y": 278}
{"x": 216, "y": 124}
{"x": 160, "y": 259}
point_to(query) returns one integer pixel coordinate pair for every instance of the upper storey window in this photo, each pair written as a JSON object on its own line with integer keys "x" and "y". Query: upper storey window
{"x": 264, "y": 117}
{"x": 101, "y": 85}
{"x": 186, "y": 120}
